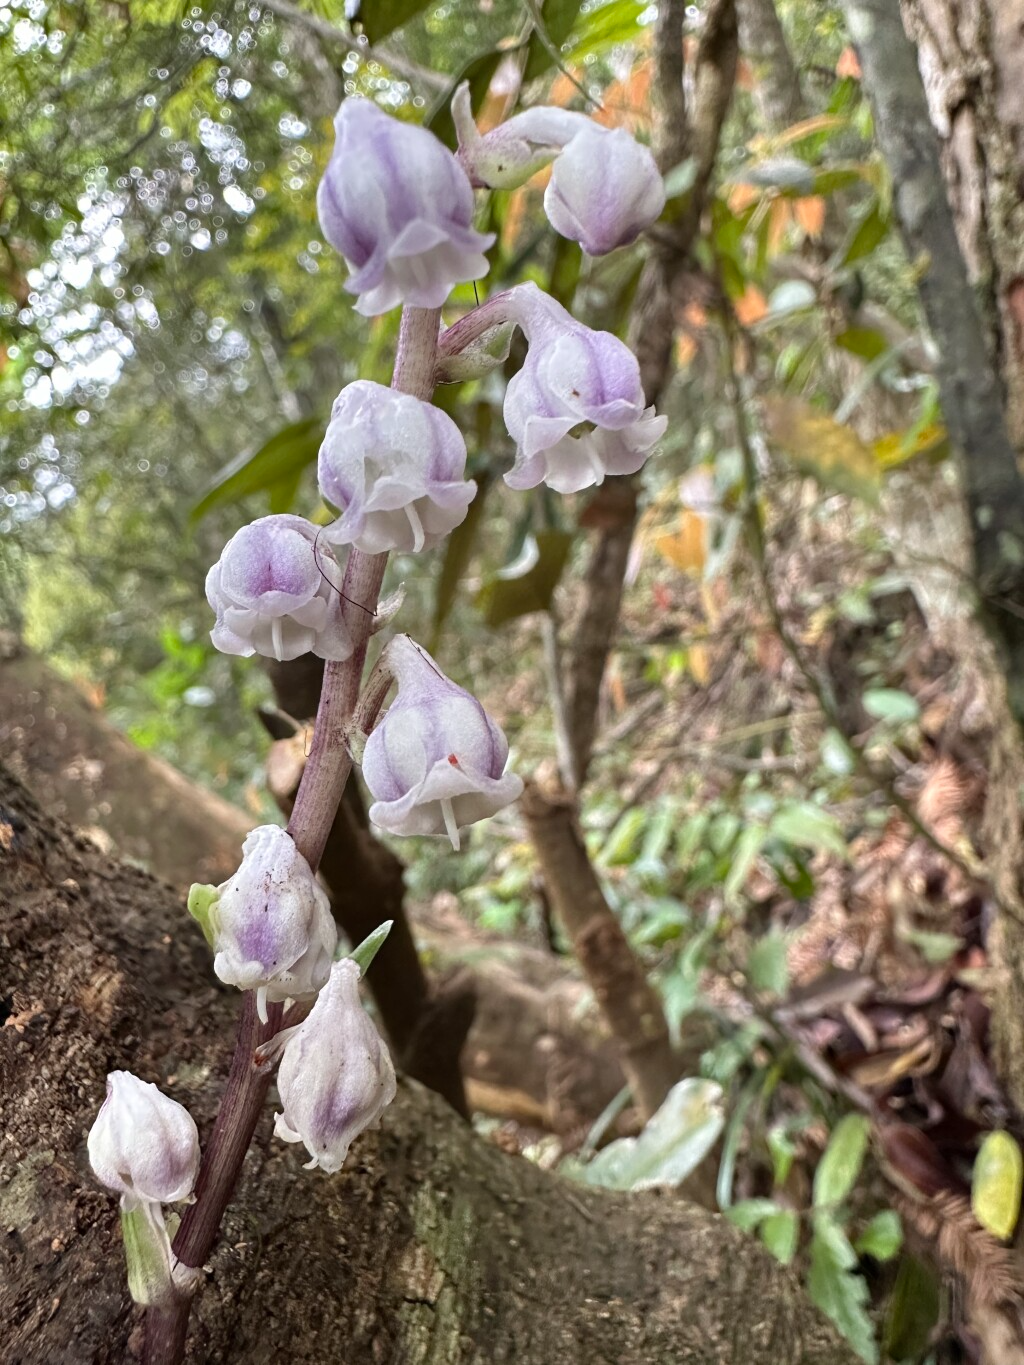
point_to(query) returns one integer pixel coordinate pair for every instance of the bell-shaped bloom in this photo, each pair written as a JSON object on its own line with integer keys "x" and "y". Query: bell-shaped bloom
{"x": 336, "y": 1076}
{"x": 576, "y": 409}
{"x": 398, "y": 206}
{"x": 144, "y": 1145}
{"x": 576, "y": 412}
{"x": 275, "y": 590}
{"x": 270, "y": 925}
{"x": 396, "y": 467}
{"x": 605, "y": 188}
{"x": 436, "y": 762}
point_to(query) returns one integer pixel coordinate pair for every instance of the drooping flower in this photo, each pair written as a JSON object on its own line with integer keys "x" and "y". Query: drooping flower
{"x": 144, "y": 1145}
{"x": 398, "y": 206}
{"x": 270, "y": 925}
{"x": 576, "y": 409}
{"x": 436, "y": 762}
{"x": 275, "y": 592}
{"x": 336, "y": 1077}
{"x": 605, "y": 187}
{"x": 396, "y": 467}
{"x": 604, "y": 190}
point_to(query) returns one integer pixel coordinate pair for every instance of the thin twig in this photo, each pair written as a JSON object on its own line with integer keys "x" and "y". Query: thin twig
{"x": 331, "y": 33}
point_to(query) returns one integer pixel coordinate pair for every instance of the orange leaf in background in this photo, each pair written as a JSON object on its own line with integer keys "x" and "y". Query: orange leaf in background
{"x": 686, "y": 548}
{"x": 741, "y": 197}
{"x": 616, "y": 687}
{"x": 779, "y": 218}
{"x": 3, "y": 359}
{"x": 745, "y": 75}
{"x": 626, "y": 104}
{"x": 698, "y": 658}
{"x": 810, "y": 214}
{"x": 751, "y": 307}
{"x": 686, "y": 349}
{"x": 848, "y": 65}
{"x": 562, "y": 90}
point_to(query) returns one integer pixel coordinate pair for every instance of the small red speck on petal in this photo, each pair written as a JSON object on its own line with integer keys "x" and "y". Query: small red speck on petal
{"x": 453, "y": 760}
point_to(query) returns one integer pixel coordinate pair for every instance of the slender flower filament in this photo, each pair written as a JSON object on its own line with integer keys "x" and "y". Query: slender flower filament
{"x": 449, "y": 823}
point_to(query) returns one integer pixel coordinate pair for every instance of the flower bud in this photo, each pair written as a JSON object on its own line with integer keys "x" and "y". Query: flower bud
{"x": 576, "y": 409}
{"x": 396, "y": 468}
{"x": 144, "y": 1145}
{"x": 270, "y": 925}
{"x": 275, "y": 592}
{"x": 436, "y": 761}
{"x": 605, "y": 188}
{"x": 398, "y": 206}
{"x": 336, "y": 1076}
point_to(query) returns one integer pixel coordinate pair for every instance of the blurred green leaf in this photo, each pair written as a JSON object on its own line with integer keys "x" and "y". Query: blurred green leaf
{"x": 672, "y": 1145}
{"x": 782, "y": 1149}
{"x": 840, "y": 1166}
{"x": 620, "y": 847}
{"x": 882, "y": 1237}
{"x": 767, "y": 966}
{"x": 866, "y": 235}
{"x": 820, "y": 446}
{"x": 605, "y": 27}
{"x": 529, "y": 583}
{"x": 744, "y": 856}
{"x": 557, "y": 18}
{"x": 748, "y": 1214}
{"x": 276, "y": 467}
{"x": 865, "y": 342}
{"x": 840, "y": 1295}
{"x": 996, "y": 1183}
{"x": 891, "y": 705}
{"x": 381, "y": 17}
{"x": 780, "y": 1232}
{"x": 913, "y": 1311}
{"x": 933, "y": 946}
{"x": 809, "y": 826}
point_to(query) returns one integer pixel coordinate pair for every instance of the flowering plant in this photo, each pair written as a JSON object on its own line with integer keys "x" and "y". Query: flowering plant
{"x": 399, "y": 207}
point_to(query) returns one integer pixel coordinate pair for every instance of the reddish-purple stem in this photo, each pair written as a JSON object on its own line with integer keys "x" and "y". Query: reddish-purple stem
{"x": 323, "y": 782}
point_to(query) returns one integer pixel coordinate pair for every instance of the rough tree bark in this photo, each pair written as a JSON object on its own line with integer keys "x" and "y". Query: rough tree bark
{"x": 777, "y": 92}
{"x": 537, "y": 1050}
{"x": 972, "y": 58}
{"x": 433, "y": 1247}
{"x": 634, "y": 1015}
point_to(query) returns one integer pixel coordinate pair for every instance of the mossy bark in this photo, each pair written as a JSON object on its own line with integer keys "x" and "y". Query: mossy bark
{"x": 434, "y": 1246}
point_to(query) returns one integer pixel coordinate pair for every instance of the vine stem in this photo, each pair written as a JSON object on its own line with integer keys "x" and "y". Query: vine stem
{"x": 316, "y": 804}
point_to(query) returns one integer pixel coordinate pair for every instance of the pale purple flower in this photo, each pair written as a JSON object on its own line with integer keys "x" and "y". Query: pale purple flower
{"x": 336, "y": 1076}
{"x": 605, "y": 187}
{"x": 144, "y": 1145}
{"x": 396, "y": 467}
{"x": 436, "y": 762}
{"x": 271, "y": 925}
{"x": 398, "y": 206}
{"x": 275, "y": 592}
{"x": 576, "y": 409}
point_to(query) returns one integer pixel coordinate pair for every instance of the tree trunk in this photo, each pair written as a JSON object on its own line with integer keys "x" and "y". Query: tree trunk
{"x": 777, "y": 92}
{"x": 972, "y": 290}
{"x": 433, "y": 1246}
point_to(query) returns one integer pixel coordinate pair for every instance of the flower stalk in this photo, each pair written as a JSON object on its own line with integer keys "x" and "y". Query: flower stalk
{"x": 321, "y": 789}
